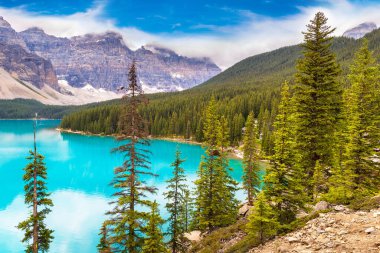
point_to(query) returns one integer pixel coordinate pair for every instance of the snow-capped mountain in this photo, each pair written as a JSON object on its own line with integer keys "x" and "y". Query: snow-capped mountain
{"x": 360, "y": 30}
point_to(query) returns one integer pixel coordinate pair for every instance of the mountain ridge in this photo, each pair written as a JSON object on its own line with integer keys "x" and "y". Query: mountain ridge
{"x": 97, "y": 60}
{"x": 102, "y": 60}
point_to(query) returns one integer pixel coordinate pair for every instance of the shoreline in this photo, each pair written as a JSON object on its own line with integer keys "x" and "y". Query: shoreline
{"x": 233, "y": 153}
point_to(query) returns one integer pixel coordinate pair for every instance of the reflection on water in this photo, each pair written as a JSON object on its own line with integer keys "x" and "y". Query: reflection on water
{"x": 79, "y": 169}
{"x": 74, "y": 218}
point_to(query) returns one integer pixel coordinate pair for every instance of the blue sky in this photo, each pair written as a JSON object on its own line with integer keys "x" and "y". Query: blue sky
{"x": 156, "y": 16}
{"x": 224, "y": 30}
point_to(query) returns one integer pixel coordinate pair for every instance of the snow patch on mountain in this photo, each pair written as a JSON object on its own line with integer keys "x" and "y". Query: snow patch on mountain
{"x": 360, "y": 30}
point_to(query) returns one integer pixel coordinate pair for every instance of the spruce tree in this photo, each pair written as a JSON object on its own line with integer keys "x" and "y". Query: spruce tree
{"x": 127, "y": 218}
{"x": 215, "y": 203}
{"x": 363, "y": 124}
{"x": 37, "y": 235}
{"x": 175, "y": 195}
{"x": 251, "y": 178}
{"x": 154, "y": 241}
{"x": 283, "y": 181}
{"x": 262, "y": 222}
{"x": 317, "y": 100}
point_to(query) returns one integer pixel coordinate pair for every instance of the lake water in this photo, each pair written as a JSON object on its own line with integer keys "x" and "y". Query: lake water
{"x": 79, "y": 171}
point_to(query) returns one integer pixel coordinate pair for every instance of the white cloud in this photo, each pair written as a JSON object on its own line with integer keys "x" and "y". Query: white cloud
{"x": 233, "y": 43}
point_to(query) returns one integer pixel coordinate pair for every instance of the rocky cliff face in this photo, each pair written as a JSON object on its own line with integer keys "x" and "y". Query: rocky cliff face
{"x": 102, "y": 60}
{"x": 360, "y": 30}
{"x": 22, "y": 64}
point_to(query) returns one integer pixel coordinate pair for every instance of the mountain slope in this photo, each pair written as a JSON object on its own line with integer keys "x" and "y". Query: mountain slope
{"x": 12, "y": 87}
{"x": 274, "y": 67}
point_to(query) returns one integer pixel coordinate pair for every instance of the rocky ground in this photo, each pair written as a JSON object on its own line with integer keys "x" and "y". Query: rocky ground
{"x": 332, "y": 229}
{"x": 341, "y": 230}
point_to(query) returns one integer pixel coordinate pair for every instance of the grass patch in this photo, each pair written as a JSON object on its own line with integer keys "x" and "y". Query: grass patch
{"x": 214, "y": 241}
{"x": 247, "y": 243}
{"x": 366, "y": 203}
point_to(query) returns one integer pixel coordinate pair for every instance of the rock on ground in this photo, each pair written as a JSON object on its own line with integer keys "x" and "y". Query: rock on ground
{"x": 194, "y": 236}
{"x": 348, "y": 231}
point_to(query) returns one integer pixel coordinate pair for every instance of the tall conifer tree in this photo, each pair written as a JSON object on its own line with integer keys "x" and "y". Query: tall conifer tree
{"x": 126, "y": 223}
{"x": 175, "y": 195}
{"x": 37, "y": 235}
{"x": 362, "y": 105}
{"x": 283, "y": 186}
{"x": 215, "y": 203}
{"x": 251, "y": 178}
{"x": 262, "y": 222}
{"x": 317, "y": 100}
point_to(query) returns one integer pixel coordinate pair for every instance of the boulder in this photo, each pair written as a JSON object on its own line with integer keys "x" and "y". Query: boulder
{"x": 194, "y": 236}
{"x": 321, "y": 206}
{"x": 292, "y": 239}
{"x": 339, "y": 208}
{"x": 243, "y": 210}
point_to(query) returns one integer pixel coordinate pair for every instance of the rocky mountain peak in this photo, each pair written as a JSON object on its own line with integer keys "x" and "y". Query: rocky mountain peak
{"x": 107, "y": 37}
{"x": 9, "y": 36}
{"x": 360, "y": 30}
{"x": 34, "y": 30}
{"x": 4, "y": 23}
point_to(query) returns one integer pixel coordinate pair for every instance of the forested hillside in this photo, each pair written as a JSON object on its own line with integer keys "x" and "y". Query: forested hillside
{"x": 250, "y": 85}
{"x": 26, "y": 108}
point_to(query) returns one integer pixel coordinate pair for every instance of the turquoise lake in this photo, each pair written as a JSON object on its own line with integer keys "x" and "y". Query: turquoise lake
{"x": 80, "y": 169}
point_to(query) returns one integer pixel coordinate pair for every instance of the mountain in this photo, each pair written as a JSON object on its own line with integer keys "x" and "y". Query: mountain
{"x": 360, "y": 30}
{"x": 88, "y": 68}
{"x": 102, "y": 60}
{"x": 22, "y": 64}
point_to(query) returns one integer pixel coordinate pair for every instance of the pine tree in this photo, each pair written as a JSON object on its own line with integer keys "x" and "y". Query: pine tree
{"x": 154, "y": 242}
{"x": 126, "y": 223}
{"x": 104, "y": 246}
{"x": 251, "y": 178}
{"x": 282, "y": 184}
{"x": 176, "y": 190}
{"x": 215, "y": 203}
{"x": 37, "y": 198}
{"x": 262, "y": 221}
{"x": 363, "y": 124}
{"x": 317, "y": 100}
